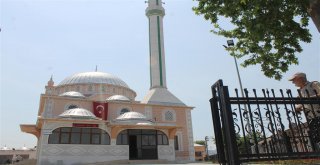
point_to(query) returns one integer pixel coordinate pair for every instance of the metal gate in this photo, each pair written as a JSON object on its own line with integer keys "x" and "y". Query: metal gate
{"x": 266, "y": 127}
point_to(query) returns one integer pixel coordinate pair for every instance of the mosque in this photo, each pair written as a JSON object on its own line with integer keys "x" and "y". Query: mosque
{"x": 94, "y": 117}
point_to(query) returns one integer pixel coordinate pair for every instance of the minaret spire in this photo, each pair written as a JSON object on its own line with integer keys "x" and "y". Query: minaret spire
{"x": 158, "y": 93}
{"x": 51, "y": 82}
{"x": 155, "y": 13}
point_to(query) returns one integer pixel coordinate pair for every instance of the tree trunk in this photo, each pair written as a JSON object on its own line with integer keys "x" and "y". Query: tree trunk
{"x": 314, "y": 12}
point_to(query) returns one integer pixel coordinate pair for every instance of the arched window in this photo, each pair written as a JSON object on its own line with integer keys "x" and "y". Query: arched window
{"x": 90, "y": 88}
{"x": 103, "y": 88}
{"x": 122, "y": 138}
{"x": 124, "y": 110}
{"x": 76, "y": 135}
{"x": 78, "y": 88}
{"x": 162, "y": 138}
{"x": 72, "y": 106}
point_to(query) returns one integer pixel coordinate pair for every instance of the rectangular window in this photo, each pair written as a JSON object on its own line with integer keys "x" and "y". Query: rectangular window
{"x": 74, "y": 129}
{"x": 65, "y": 138}
{"x": 198, "y": 153}
{"x": 85, "y": 138}
{"x": 65, "y": 129}
{"x": 95, "y": 130}
{"x": 75, "y": 138}
{"x": 105, "y": 138}
{"x": 95, "y": 138}
{"x": 122, "y": 139}
{"x": 165, "y": 140}
{"x": 54, "y": 138}
{"x": 160, "y": 142}
{"x": 176, "y": 143}
{"x": 145, "y": 140}
{"x": 85, "y": 130}
{"x": 152, "y": 140}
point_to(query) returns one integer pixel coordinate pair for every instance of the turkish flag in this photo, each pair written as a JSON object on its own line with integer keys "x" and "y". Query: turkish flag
{"x": 100, "y": 110}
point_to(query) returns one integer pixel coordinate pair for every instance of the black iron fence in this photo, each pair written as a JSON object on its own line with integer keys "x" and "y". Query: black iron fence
{"x": 273, "y": 126}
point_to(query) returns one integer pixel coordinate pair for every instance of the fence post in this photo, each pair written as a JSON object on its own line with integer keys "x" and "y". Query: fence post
{"x": 228, "y": 133}
{"x": 228, "y": 124}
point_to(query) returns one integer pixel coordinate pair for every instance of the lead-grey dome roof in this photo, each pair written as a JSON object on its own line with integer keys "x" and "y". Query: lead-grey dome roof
{"x": 133, "y": 118}
{"x": 93, "y": 78}
{"x": 73, "y": 94}
{"x": 118, "y": 98}
{"x": 78, "y": 113}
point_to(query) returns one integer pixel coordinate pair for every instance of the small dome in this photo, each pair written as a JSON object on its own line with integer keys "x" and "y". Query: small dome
{"x": 133, "y": 118}
{"x": 25, "y": 148}
{"x": 73, "y": 94}
{"x": 78, "y": 113}
{"x": 118, "y": 98}
{"x": 4, "y": 148}
{"x": 93, "y": 78}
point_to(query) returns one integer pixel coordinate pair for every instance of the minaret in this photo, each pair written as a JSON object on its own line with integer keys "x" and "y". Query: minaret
{"x": 158, "y": 93}
{"x": 155, "y": 13}
{"x": 50, "y": 86}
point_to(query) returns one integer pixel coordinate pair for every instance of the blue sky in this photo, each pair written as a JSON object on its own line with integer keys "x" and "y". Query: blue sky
{"x": 40, "y": 38}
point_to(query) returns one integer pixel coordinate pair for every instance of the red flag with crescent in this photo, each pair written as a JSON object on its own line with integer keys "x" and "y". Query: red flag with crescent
{"x": 100, "y": 110}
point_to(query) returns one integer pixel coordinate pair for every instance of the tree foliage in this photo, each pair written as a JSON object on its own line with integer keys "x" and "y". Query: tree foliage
{"x": 267, "y": 32}
{"x": 201, "y": 142}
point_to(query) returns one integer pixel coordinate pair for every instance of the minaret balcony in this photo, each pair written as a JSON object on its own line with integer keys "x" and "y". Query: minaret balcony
{"x": 155, "y": 11}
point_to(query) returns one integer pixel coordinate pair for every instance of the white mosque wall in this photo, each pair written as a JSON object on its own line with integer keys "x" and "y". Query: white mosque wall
{"x": 190, "y": 135}
{"x": 55, "y": 105}
{"x": 72, "y": 154}
{"x": 167, "y": 152}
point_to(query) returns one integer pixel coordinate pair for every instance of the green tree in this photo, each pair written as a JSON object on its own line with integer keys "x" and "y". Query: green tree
{"x": 268, "y": 32}
{"x": 201, "y": 142}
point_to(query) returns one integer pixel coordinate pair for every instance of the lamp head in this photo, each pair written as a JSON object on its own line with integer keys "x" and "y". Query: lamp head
{"x": 230, "y": 42}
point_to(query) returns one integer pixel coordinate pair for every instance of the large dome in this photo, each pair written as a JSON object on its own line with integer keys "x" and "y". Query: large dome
{"x": 93, "y": 78}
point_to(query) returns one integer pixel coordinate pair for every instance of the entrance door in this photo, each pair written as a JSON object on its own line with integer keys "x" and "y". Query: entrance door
{"x": 149, "y": 147}
{"x": 142, "y": 144}
{"x": 133, "y": 149}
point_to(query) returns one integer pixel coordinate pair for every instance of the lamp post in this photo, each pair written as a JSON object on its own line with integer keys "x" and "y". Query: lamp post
{"x": 206, "y": 143}
{"x": 230, "y": 44}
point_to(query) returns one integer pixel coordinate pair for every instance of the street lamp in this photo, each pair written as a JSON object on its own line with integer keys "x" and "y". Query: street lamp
{"x": 231, "y": 43}
{"x": 206, "y": 143}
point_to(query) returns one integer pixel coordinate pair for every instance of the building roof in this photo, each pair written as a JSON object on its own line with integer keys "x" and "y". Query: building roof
{"x": 118, "y": 98}
{"x": 93, "y": 78}
{"x": 78, "y": 113}
{"x": 133, "y": 118}
{"x": 73, "y": 94}
{"x": 161, "y": 96}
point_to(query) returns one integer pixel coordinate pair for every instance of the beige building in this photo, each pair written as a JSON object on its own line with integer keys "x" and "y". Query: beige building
{"x": 94, "y": 117}
{"x": 11, "y": 155}
{"x": 200, "y": 152}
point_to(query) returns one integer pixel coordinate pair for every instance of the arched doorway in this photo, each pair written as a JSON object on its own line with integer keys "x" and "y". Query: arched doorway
{"x": 142, "y": 142}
